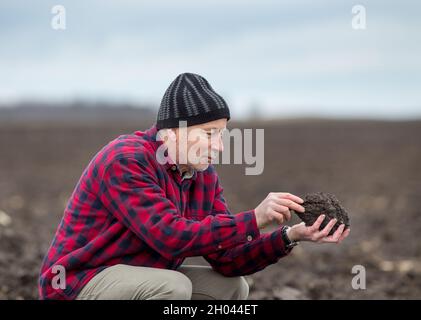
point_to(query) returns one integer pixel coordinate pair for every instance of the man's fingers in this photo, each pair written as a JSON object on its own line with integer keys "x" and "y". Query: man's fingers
{"x": 329, "y": 227}
{"x": 335, "y": 237}
{"x": 341, "y": 237}
{"x": 289, "y": 196}
{"x": 282, "y": 210}
{"x": 278, "y": 217}
{"x": 324, "y": 233}
{"x": 344, "y": 235}
{"x": 338, "y": 233}
{"x": 316, "y": 225}
{"x": 290, "y": 204}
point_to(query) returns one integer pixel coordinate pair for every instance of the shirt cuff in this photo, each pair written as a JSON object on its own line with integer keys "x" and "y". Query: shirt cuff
{"x": 247, "y": 229}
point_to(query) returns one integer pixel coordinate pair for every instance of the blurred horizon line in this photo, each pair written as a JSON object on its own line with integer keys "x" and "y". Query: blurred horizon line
{"x": 55, "y": 110}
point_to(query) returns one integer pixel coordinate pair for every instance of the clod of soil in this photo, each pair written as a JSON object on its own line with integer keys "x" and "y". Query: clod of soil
{"x": 319, "y": 203}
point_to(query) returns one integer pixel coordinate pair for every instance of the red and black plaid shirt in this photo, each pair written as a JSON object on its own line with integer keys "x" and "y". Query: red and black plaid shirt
{"x": 127, "y": 208}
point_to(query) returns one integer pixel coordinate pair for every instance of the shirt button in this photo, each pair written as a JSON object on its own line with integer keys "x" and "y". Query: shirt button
{"x": 249, "y": 238}
{"x": 219, "y": 247}
{"x": 173, "y": 168}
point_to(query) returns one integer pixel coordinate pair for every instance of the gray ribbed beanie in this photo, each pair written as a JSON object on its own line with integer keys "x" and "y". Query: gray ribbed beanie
{"x": 190, "y": 98}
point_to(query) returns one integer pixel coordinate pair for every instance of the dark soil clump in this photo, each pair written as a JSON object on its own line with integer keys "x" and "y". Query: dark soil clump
{"x": 319, "y": 203}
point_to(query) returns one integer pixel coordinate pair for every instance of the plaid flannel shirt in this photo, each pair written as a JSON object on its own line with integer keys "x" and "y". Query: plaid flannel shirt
{"x": 127, "y": 208}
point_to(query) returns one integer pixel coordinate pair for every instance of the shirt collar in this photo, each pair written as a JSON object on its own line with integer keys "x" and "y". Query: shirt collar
{"x": 152, "y": 134}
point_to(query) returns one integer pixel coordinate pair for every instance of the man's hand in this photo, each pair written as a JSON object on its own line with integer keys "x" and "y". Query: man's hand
{"x": 300, "y": 232}
{"x": 276, "y": 208}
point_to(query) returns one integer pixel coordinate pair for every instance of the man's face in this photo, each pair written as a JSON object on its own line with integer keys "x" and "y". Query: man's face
{"x": 202, "y": 142}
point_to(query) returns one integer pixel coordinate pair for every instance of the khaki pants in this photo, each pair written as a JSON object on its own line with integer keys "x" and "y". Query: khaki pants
{"x": 142, "y": 283}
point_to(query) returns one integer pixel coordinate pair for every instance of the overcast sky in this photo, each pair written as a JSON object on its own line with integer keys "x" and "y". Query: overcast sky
{"x": 285, "y": 58}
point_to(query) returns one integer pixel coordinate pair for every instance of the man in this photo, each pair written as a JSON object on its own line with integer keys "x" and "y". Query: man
{"x": 150, "y": 199}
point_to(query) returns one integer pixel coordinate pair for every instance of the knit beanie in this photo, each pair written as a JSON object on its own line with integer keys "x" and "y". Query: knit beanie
{"x": 190, "y": 98}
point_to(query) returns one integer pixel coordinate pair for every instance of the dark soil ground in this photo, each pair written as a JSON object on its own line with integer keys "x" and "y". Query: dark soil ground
{"x": 374, "y": 168}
